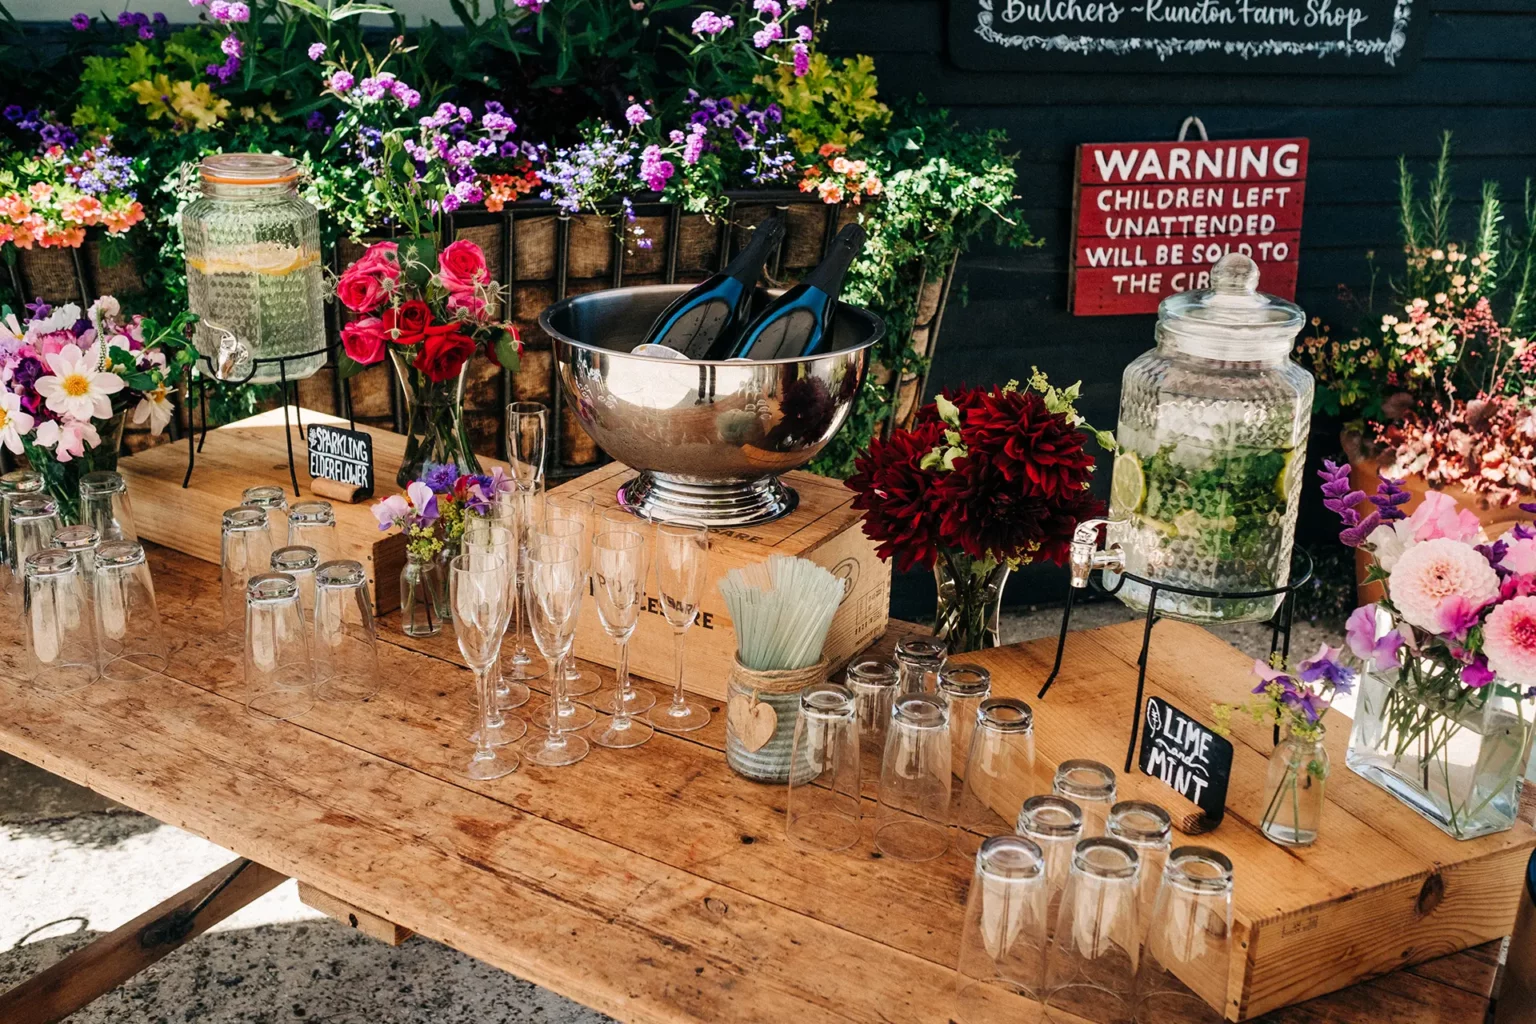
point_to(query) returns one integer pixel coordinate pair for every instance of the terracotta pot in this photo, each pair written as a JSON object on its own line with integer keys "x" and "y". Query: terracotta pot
{"x": 1364, "y": 474}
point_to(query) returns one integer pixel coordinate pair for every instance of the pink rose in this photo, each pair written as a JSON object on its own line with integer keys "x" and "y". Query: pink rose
{"x": 381, "y": 260}
{"x": 467, "y": 302}
{"x": 1438, "y": 515}
{"x": 461, "y": 266}
{"x": 364, "y": 339}
{"x": 360, "y": 292}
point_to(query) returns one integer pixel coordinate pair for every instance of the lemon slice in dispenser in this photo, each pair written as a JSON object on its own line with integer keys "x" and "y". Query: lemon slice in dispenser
{"x": 1128, "y": 486}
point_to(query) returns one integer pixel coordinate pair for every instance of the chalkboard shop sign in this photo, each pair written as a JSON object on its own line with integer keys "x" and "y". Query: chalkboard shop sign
{"x": 1271, "y": 36}
{"x": 1193, "y": 761}
{"x": 345, "y": 456}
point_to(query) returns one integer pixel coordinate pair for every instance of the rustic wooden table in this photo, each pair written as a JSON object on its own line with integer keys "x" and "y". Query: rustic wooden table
{"x": 651, "y": 884}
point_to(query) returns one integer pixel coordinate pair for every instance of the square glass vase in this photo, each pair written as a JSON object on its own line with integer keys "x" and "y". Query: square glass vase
{"x": 1457, "y": 763}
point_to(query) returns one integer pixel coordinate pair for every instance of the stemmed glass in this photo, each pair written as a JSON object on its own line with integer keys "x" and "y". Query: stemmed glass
{"x": 576, "y": 508}
{"x": 485, "y": 540}
{"x": 635, "y": 701}
{"x": 553, "y": 592}
{"x": 478, "y": 587}
{"x": 522, "y": 506}
{"x": 682, "y": 558}
{"x": 500, "y": 519}
{"x": 571, "y": 534}
{"x": 527, "y": 440}
{"x": 618, "y": 576}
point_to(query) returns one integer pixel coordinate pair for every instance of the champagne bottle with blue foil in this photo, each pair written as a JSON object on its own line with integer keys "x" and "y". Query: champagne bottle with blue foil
{"x": 799, "y": 322}
{"x": 705, "y": 322}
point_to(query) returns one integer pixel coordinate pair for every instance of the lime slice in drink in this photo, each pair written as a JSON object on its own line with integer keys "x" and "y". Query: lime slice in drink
{"x": 1128, "y": 487}
{"x": 1286, "y": 478}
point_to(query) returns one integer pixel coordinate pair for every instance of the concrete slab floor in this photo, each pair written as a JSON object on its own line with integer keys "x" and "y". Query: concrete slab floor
{"x": 74, "y": 865}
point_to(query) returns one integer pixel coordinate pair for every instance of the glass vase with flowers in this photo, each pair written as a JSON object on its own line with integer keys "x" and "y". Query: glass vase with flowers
{"x": 986, "y": 480}
{"x": 1444, "y": 720}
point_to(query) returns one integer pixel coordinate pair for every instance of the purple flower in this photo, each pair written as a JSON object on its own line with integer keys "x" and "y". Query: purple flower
{"x": 125, "y": 19}
{"x": 1389, "y": 495}
{"x": 804, "y": 33}
{"x": 1378, "y": 655}
{"x": 81, "y": 21}
{"x": 1339, "y": 496}
{"x": 766, "y": 36}
{"x": 146, "y": 33}
{"x": 160, "y": 19}
{"x": 711, "y": 24}
{"x": 37, "y": 309}
{"x": 231, "y": 46}
{"x": 635, "y": 114}
{"x": 1327, "y": 665}
{"x": 390, "y": 510}
{"x": 316, "y": 51}
{"x": 315, "y": 121}
{"x": 1477, "y": 674}
{"x": 341, "y": 82}
{"x": 655, "y": 171}
{"x": 440, "y": 476}
{"x": 13, "y": 113}
{"x": 802, "y": 60}
{"x": 769, "y": 8}
{"x": 530, "y": 5}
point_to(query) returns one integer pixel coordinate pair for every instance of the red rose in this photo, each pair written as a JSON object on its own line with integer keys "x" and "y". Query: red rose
{"x": 363, "y": 340}
{"x": 461, "y": 266}
{"x": 406, "y": 324}
{"x": 360, "y": 292}
{"x": 444, "y": 351}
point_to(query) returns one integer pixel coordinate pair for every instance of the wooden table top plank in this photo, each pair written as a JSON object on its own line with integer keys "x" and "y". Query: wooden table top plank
{"x": 559, "y": 876}
{"x": 673, "y": 799}
{"x": 630, "y": 936}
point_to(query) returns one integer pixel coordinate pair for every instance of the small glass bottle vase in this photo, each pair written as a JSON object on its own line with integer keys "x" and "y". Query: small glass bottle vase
{"x": 435, "y": 429}
{"x": 423, "y": 596}
{"x": 1456, "y": 762}
{"x": 1293, "y": 790}
{"x": 970, "y": 601}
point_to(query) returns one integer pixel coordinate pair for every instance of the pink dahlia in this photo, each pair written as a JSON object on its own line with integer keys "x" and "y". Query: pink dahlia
{"x": 1509, "y": 640}
{"x": 1434, "y": 572}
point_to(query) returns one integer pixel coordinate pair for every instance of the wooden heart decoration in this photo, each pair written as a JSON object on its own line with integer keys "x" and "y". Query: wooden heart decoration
{"x": 752, "y": 720}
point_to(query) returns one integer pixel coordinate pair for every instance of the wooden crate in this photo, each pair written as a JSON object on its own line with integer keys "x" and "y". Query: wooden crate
{"x": 1380, "y": 890}
{"x": 250, "y": 452}
{"x": 824, "y": 528}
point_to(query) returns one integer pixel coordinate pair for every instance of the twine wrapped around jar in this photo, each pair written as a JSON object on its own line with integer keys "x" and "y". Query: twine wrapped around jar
{"x": 760, "y": 718}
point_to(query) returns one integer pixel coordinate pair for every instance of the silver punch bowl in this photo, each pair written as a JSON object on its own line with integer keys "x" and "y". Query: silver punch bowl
{"x": 709, "y": 438}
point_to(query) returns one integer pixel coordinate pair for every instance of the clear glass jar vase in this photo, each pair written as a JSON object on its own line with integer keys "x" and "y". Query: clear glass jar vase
{"x": 253, "y": 269}
{"x": 423, "y": 596}
{"x": 61, "y": 480}
{"x": 970, "y": 601}
{"x": 1213, "y": 430}
{"x": 1294, "y": 789}
{"x": 435, "y": 429}
{"x": 1457, "y": 762}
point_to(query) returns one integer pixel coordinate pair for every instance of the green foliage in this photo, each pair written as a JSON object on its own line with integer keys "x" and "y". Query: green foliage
{"x": 834, "y": 102}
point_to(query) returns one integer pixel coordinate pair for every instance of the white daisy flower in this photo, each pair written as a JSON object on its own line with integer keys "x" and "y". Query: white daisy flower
{"x": 155, "y": 407}
{"x": 77, "y": 387}
{"x": 14, "y": 421}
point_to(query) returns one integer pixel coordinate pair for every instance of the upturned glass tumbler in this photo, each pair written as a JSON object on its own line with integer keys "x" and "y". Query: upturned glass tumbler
{"x": 127, "y": 617}
{"x": 912, "y": 821}
{"x": 963, "y": 688}
{"x": 873, "y": 683}
{"x": 81, "y": 541}
{"x": 313, "y": 524}
{"x": 245, "y": 550}
{"x": 1182, "y": 976}
{"x": 61, "y": 638}
{"x": 1091, "y": 786}
{"x": 104, "y": 505}
{"x": 13, "y": 485}
{"x": 299, "y": 561}
{"x": 824, "y": 776}
{"x": 1003, "y": 940}
{"x": 279, "y": 672}
{"x": 1091, "y": 966}
{"x": 999, "y": 771}
{"x": 919, "y": 659}
{"x": 346, "y": 643}
{"x": 1055, "y": 824}
{"x": 34, "y": 520}
{"x": 275, "y": 500}
{"x": 1149, "y": 829}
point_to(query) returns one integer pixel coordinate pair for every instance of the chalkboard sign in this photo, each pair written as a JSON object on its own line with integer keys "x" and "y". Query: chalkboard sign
{"x": 345, "y": 456}
{"x": 1193, "y": 761}
{"x": 1310, "y": 37}
{"x": 1152, "y": 217}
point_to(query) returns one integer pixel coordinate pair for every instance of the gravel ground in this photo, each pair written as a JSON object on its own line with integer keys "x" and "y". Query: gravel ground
{"x": 74, "y": 865}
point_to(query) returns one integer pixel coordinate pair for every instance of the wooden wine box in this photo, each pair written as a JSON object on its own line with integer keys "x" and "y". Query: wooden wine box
{"x": 824, "y": 528}
{"x": 250, "y": 452}
{"x": 1381, "y": 889}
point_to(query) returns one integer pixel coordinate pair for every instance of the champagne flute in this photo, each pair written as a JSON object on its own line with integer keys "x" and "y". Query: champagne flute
{"x": 500, "y": 518}
{"x": 486, "y": 540}
{"x": 618, "y": 577}
{"x": 576, "y": 508}
{"x": 635, "y": 700}
{"x": 478, "y": 589}
{"x": 523, "y": 508}
{"x": 682, "y": 558}
{"x": 573, "y": 716}
{"x": 527, "y": 440}
{"x": 553, "y": 587}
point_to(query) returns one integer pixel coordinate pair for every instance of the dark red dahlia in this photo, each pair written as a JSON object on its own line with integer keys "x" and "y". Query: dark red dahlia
{"x": 897, "y": 497}
{"x": 1025, "y": 441}
{"x": 985, "y": 513}
{"x": 964, "y": 399}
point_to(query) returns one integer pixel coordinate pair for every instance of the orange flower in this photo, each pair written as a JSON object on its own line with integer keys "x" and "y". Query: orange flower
{"x": 14, "y": 206}
{"x": 831, "y": 148}
{"x": 40, "y": 190}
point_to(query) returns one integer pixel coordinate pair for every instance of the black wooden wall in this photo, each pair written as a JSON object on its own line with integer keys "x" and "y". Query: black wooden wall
{"x": 1476, "y": 77}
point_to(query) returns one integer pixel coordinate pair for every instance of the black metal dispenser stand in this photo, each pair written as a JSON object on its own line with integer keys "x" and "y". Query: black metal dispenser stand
{"x": 1087, "y": 557}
